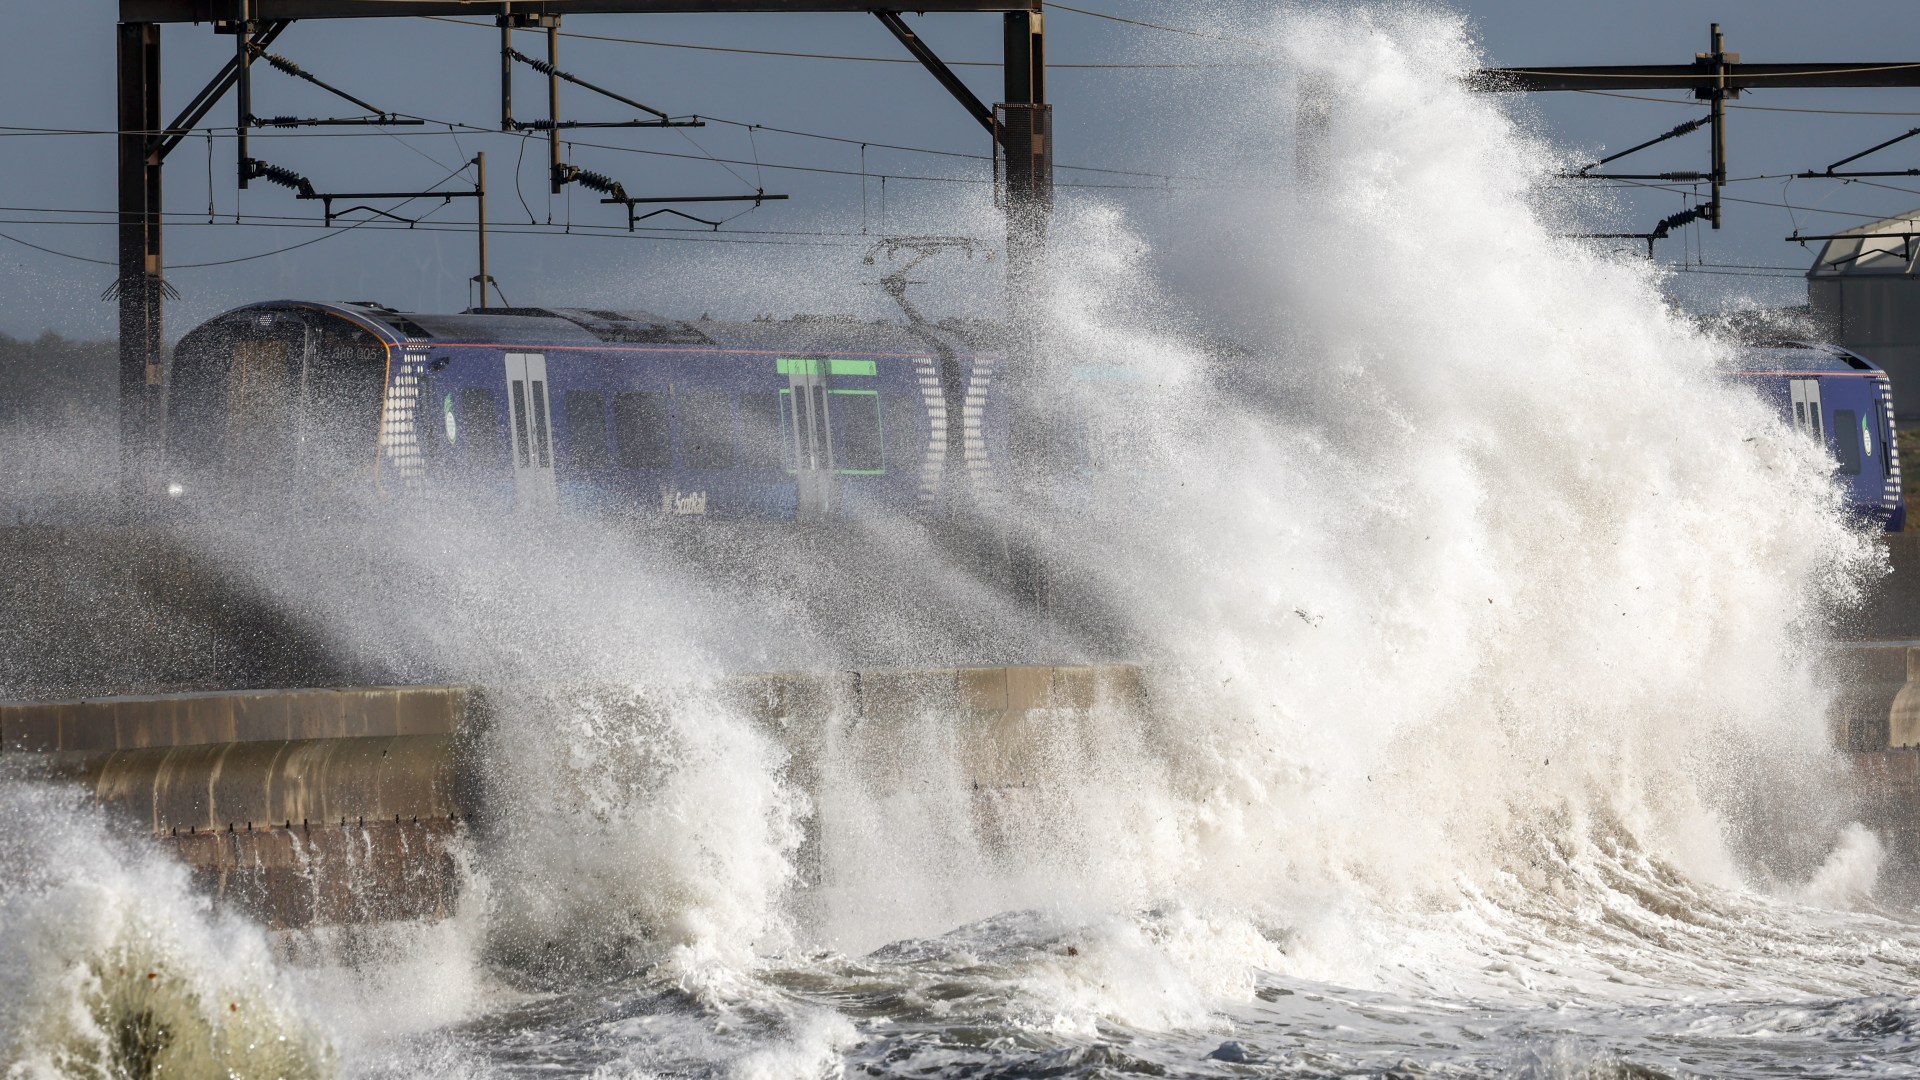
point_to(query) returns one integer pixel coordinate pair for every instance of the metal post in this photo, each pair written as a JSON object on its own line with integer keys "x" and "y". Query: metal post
{"x": 1023, "y": 132}
{"x": 243, "y": 91}
{"x": 1025, "y": 136}
{"x": 480, "y": 213}
{"x": 506, "y": 70}
{"x": 553, "y": 104}
{"x": 139, "y": 285}
{"x": 1717, "y": 96}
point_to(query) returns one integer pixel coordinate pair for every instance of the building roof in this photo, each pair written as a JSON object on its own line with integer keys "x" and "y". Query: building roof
{"x": 1888, "y": 246}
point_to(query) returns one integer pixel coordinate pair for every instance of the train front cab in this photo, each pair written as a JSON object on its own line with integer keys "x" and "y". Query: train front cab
{"x": 275, "y": 399}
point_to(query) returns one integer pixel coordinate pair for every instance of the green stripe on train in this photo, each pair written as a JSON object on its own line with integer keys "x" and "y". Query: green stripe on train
{"x": 812, "y": 366}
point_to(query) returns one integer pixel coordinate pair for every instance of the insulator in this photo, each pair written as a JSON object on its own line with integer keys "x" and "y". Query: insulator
{"x": 282, "y": 63}
{"x": 287, "y": 178}
{"x": 606, "y": 185}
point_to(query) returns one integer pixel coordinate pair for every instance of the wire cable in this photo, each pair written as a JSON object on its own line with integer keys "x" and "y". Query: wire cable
{"x": 845, "y": 57}
{"x": 1751, "y": 108}
{"x": 51, "y": 251}
{"x": 1157, "y": 26}
{"x": 455, "y": 128}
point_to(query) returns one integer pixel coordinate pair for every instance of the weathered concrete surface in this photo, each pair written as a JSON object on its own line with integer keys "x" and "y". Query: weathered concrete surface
{"x": 329, "y": 874}
{"x": 1903, "y": 716}
{"x": 320, "y": 806}
{"x": 193, "y": 719}
{"x": 1868, "y": 677}
{"x": 217, "y": 787}
{"x": 296, "y": 806}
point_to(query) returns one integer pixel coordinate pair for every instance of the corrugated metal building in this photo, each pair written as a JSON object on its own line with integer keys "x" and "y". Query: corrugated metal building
{"x": 1864, "y": 291}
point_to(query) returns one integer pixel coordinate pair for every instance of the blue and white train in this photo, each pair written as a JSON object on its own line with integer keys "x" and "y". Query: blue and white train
{"x": 805, "y": 418}
{"x": 1846, "y": 402}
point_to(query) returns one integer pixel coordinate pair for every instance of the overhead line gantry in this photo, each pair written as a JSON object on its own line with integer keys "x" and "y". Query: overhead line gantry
{"x": 1714, "y": 76}
{"x": 1019, "y": 127}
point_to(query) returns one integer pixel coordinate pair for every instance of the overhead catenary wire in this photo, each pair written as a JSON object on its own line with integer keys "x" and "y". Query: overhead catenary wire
{"x": 789, "y": 54}
{"x": 818, "y": 239}
{"x": 455, "y": 128}
{"x": 1690, "y": 103}
{"x": 1155, "y": 26}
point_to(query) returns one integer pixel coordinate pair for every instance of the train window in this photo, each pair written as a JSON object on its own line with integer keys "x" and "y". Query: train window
{"x": 706, "y": 427}
{"x": 1846, "y": 438}
{"x": 542, "y": 440}
{"x": 905, "y": 417}
{"x": 640, "y": 426}
{"x": 478, "y": 428}
{"x": 764, "y": 445}
{"x": 521, "y": 458}
{"x": 856, "y": 431}
{"x": 586, "y": 429}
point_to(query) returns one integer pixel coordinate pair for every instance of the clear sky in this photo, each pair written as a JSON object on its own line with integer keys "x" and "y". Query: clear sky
{"x": 56, "y": 71}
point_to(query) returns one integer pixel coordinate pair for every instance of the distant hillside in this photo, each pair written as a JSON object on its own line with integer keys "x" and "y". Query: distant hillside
{"x": 54, "y": 378}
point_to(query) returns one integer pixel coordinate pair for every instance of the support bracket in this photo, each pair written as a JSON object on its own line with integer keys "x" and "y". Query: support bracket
{"x": 966, "y": 97}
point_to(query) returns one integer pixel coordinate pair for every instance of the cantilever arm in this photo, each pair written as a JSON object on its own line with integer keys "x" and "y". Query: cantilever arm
{"x": 968, "y": 101}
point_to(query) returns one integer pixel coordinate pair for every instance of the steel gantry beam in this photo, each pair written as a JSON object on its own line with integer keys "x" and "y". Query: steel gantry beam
{"x": 191, "y": 11}
{"x": 1700, "y": 75}
{"x": 1714, "y": 77}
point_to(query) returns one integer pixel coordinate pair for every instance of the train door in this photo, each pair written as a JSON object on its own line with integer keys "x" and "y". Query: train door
{"x": 1805, "y": 394}
{"x": 804, "y": 406}
{"x": 259, "y": 409}
{"x": 531, "y": 431}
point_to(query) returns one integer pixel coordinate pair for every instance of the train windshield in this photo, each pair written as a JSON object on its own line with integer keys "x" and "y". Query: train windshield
{"x": 263, "y": 398}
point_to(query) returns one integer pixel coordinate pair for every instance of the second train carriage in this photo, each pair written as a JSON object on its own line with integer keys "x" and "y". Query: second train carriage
{"x": 1845, "y": 402}
{"x": 802, "y": 418}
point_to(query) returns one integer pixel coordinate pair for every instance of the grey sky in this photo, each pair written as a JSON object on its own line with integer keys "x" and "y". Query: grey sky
{"x": 56, "y": 71}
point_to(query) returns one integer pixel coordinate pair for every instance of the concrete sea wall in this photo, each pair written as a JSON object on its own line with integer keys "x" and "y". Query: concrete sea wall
{"x": 326, "y": 806}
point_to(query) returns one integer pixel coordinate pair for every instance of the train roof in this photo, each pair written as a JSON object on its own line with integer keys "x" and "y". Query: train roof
{"x": 555, "y": 326}
{"x": 1799, "y": 357}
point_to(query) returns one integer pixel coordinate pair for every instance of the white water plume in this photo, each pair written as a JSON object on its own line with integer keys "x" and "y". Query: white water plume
{"x": 1473, "y": 552}
{"x": 114, "y": 968}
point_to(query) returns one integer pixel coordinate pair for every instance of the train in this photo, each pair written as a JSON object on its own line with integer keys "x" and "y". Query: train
{"x": 1844, "y": 401}
{"x": 793, "y": 419}
{"x": 802, "y": 419}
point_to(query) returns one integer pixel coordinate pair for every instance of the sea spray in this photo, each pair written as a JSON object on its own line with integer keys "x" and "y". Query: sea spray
{"x": 114, "y": 968}
{"x": 638, "y": 828}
